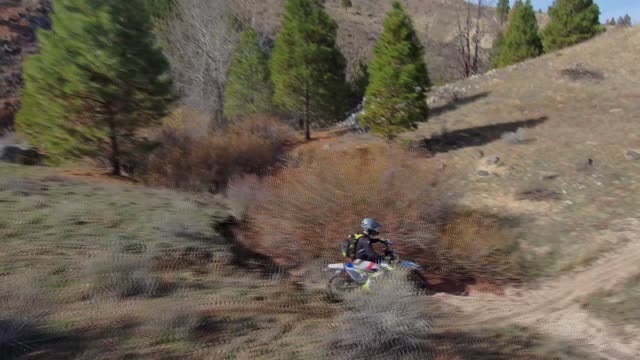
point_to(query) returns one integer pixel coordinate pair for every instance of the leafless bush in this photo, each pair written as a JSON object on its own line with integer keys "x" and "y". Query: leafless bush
{"x": 121, "y": 275}
{"x": 241, "y": 194}
{"x": 202, "y": 38}
{"x": 469, "y": 36}
{"x": 24, "y": 306}
{"x": 519, "y": 136}
{"x": 392, "y": 323}
{"x": 326, "y": 195}
{"x": 185, "y": 161}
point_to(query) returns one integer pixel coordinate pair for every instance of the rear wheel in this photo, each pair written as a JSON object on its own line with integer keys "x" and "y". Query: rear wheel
{"x": 341, "y": 284}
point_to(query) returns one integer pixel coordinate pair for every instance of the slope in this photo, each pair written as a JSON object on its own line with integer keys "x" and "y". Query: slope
{"x": 552, "y": 144}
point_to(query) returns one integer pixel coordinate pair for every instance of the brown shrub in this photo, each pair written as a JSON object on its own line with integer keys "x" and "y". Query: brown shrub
{"x": 191, "y": 161}
{"x": 306, "y": 210}
{"x": 475, "y": 245}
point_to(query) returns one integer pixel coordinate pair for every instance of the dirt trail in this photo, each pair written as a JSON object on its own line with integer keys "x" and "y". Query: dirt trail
{"x": 553, "y": 308}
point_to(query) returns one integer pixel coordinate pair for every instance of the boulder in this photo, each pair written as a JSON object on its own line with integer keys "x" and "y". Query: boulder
{"x": 493, "y": 160}
{"x": 632, "y": 154}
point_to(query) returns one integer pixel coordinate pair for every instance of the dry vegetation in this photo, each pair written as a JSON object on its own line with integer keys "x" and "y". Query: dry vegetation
{"x": 304, "y": 211}
{"x": 193, "y": 158}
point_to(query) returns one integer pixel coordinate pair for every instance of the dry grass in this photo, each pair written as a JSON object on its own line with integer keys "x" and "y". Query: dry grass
{"x": 172, "y": 322}
{"x": 206, "y": 162}
{"x": 25, "y": 306}
{"x": 121, "y": 275}
{"x": 393, "y": 324}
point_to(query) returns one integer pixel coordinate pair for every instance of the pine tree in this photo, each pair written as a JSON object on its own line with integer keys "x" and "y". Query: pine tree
{"x": 398, "y": 79}
{"x": 98, "y": 77}
{"x": 521, "y": 40}
{"x": 346, "y": 4}
{"x": 572, "y": 21}
{"x": 502, "y": 10}
{"x": 496, "y": 48}
{"x": 248, "y": 90}
{"x": 517, "y": 5}
{"x": 307, "y": 69}
{"x": 625, "y": 21}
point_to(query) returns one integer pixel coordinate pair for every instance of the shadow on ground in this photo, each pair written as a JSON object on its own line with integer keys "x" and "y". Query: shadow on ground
{"x": 510, "y": 343}
{"x": 476, "y": 136}
{"x": 457, "y": 103}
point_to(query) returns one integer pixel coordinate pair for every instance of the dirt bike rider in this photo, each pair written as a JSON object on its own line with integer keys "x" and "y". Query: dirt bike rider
{"x": 366, "y": 258}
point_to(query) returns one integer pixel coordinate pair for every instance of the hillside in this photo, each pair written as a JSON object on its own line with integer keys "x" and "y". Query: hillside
{"x": 436, "y": 22}
{"x": 18, "y": 21}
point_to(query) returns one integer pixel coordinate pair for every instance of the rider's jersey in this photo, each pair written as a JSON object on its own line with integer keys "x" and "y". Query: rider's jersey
{"x": 365, "y": 251}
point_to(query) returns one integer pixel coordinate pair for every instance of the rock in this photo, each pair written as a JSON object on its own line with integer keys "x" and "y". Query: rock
{"x": 479, "y": 154}
{"x": 632, "y": 154}
{"x": 548, "y": 175}
{"x": 483, "y": 173}
{"x": 493, "y": 160}
{"x": 17, "y": 155}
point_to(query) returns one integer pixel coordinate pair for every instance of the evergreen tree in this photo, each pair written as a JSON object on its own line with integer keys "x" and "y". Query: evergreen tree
{"x": 517, "y": 5}
{"x": 398, "y": 78}
{"x": 572, "y": 21}
{"x": 248, "y": 90}
{"x": 307, "y": 69}
{"x": 521, "y": 40}
{"x": 346, "y": 4}
{"x": 98, "y": 77}
{"x": 498, "y": 41}
{"x": 625, "y": 21}
{"x": 502, "y": 10}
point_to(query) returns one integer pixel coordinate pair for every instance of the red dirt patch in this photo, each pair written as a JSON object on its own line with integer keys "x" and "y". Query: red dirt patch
{"x": 485, "y": 288}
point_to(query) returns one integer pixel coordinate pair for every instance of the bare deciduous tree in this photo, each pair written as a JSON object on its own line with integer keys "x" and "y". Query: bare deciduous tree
{"x": 469, "y": 35}
{"x": 202, "y": 37}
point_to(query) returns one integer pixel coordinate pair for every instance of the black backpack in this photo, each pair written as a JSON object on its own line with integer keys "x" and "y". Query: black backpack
{"x": 350, "y": 245}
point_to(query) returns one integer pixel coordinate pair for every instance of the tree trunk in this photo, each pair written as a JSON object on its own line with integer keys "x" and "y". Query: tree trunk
{"x": 115, "y": 151}
{"x": 307, "y": 131}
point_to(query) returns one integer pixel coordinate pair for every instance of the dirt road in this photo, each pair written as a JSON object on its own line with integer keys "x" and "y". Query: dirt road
{"x": 553, "y": 308}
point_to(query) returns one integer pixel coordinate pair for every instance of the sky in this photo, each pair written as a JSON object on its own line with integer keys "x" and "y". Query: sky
{"x": 608, "y": 8}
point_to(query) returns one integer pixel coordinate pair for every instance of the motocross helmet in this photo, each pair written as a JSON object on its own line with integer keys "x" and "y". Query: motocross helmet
{"x": 370, "y": 226}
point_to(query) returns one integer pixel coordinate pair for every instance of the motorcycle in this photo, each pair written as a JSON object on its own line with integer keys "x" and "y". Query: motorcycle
{"x": 347, "y": 277}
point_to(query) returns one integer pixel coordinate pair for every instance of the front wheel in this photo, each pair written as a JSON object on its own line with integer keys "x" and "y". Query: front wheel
{"x": 341, "y": 284}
